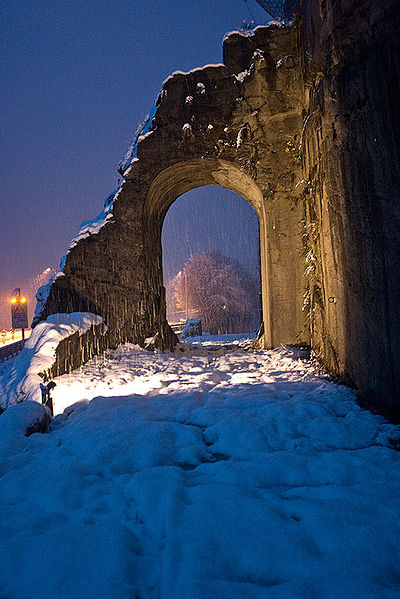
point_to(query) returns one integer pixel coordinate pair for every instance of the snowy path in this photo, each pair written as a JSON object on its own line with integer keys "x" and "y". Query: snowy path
{"x": 206, "y": 475}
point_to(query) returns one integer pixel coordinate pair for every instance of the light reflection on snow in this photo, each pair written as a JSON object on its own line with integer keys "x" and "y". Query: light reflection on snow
{"x": 130, "y": 370}
{"x": 205, "y": 363}
{"x": 225, "y": 473}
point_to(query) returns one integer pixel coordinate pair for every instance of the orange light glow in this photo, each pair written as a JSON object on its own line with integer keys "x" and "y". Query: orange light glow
{"x": 14, "y": 299}
{"x": 23, "y": 300}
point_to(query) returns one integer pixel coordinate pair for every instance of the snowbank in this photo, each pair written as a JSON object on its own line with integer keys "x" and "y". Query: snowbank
{"x": 20, "y": 382}
{"x": 236, "y": 475}
{"x": 16, "y": 421}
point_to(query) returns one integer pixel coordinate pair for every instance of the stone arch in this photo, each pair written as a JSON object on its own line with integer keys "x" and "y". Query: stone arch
{"x": 181, "y": 177}
{"x": 227, "y": 125}
{"x": 176, "y": 180}
{"x": 306, "y": 112}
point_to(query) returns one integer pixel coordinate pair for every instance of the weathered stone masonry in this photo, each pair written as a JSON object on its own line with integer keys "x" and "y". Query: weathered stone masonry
{"x": 351, "y": 148}
{"x": 303, "y": 122}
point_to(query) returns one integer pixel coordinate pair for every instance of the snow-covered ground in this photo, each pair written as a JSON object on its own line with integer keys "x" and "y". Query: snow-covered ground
{"x": 211, "y": 473}
{"x": 20, "y": 378}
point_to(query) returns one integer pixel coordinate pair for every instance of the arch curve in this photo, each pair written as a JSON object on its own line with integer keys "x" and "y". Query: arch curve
{"x": 184, "y": 176}
{"x": 176, "y": 180}
{"x": 281, "y": 302}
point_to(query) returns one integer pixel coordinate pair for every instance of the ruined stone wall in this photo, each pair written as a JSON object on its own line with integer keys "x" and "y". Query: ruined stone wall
{"x": 351, "y": 149}
{"x": 223, "y": 125}
{"x": 75, "y": 350}
{"x": 303, "y": 122}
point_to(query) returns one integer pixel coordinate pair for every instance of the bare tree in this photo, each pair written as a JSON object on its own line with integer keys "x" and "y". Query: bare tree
{"x": 220, "y": 291}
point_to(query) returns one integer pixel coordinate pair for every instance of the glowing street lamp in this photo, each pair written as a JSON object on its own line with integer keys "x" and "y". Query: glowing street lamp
{"x": 19, "y": 312}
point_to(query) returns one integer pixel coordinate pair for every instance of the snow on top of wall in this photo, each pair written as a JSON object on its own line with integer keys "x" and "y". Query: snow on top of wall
{"x": 143, "y": 130}
{"x": 91, "y": 227}
{"x": 251, "y": 32}
{"x": 146, "y": 127}
{"x": 87, "y": 228}
{"x": 21, "y": 379}
{"x": 43, "y": 292}
{"x": 195, "y": 70}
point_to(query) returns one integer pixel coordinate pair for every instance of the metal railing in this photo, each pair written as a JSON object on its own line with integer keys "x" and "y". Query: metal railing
{"x": 11, "y": 350}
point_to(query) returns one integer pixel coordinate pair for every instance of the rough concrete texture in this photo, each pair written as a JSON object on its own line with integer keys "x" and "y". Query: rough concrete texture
{"x": 351, "y": 149}
{"x": 303, "y": 122}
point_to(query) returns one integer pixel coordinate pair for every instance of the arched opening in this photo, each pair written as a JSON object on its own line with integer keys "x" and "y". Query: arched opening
{"x": 211, "y": 262}
{"x": 175, "y": 181}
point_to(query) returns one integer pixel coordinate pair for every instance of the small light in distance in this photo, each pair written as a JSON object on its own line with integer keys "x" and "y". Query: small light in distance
{"x": 14, "y": 299}
{"x": 23, "y": 300}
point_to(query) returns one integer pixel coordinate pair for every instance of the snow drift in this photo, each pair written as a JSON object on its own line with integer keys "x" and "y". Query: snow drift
{"x": 21, "y": 379}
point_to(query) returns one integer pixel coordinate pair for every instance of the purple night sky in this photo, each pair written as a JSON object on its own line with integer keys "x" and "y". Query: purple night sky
{"x": 77, "y": 79}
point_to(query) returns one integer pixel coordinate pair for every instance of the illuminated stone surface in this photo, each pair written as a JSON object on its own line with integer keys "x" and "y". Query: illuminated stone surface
{"x": 303, "y": 122}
